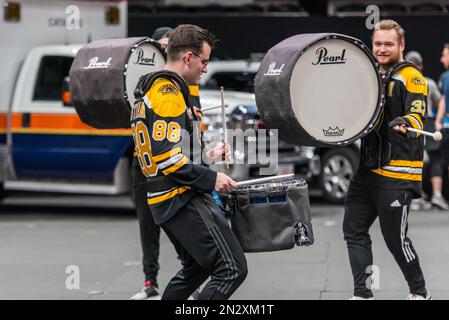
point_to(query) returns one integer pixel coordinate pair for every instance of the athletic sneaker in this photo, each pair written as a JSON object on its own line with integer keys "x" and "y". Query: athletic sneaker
{"x": 439, "y": 202}
{"x": 360, "y": 298}
{"x": 195, "y": 295}
{"x": 420, "y": 204}
{"x": 418, "y": 297}
{"x": 148, "y": 292}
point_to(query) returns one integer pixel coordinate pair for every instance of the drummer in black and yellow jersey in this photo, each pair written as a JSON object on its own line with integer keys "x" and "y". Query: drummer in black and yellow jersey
{"x": 149, "y": 231}
{"x": 179, "y": 194}
{"x": 390, "y": 169}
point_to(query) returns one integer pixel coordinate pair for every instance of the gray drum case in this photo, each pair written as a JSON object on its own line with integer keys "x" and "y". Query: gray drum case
{"x": 274, "y": 225}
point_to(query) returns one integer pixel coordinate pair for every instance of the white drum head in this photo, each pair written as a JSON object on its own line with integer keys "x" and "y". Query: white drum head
{"x": 334, "y": 90}
{"x": 144, "y": 59}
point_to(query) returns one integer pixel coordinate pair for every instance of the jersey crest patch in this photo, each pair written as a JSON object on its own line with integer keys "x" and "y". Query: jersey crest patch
{"x": 417, "y": 81}
{"x": 169, "y": 89}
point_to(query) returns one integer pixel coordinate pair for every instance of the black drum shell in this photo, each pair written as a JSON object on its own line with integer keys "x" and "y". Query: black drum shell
{"x": 99, "y": 95}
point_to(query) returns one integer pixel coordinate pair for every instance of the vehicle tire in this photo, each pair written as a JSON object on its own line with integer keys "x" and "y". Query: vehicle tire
{"x": 337, "y": 168}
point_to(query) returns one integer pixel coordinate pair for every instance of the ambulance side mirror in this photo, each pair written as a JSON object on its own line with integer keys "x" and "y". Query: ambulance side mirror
{"x": 66, "y": 95}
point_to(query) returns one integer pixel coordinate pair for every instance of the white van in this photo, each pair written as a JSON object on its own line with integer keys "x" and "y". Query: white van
{"x": 44, "y": 146}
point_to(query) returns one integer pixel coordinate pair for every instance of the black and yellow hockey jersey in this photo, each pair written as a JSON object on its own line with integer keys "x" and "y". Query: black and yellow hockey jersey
{"x": 194, "y": 91}
{"x": 158, "y": 123}
{"x": 388, "y": 159}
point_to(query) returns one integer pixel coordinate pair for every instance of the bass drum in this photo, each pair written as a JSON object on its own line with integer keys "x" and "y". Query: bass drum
{"x": 319, "y": 89}
{"x": 104, "y": 75}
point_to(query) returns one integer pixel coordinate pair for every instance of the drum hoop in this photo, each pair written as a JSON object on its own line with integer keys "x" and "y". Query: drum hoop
{"x": 380, "y": 98}
{"x": 264, "y": 186}
{"x": 133, "y": 48}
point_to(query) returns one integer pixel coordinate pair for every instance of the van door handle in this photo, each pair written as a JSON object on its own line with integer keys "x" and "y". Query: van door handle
{"x": 26, "y": 120}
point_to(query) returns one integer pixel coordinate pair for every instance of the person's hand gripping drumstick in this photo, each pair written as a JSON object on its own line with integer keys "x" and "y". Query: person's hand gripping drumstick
{"x": 437, "y": 136}
{"x": 223, "y": 183}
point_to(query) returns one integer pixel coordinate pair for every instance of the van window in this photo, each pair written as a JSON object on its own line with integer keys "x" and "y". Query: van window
{"x": 238, "y": 81}
{"x": 52, "y": 71}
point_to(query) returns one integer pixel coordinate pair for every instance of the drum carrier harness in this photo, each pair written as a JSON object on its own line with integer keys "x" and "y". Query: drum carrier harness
{"x": 374, "y": 153}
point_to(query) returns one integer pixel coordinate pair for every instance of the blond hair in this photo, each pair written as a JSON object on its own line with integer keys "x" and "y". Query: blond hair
{"x": 389, "y": 25}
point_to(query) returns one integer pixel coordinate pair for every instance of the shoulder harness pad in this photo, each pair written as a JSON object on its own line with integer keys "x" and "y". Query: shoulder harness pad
{"x": 146, "y": 81}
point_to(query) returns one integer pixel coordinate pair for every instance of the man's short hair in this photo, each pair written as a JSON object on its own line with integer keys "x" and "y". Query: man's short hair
{"x": 446, "y": 46}
{"x": 188, "y": 37}
{"x": 389, "y": 25}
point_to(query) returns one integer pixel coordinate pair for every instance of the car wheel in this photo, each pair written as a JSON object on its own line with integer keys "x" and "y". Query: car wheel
{"x": 337, "y": 168}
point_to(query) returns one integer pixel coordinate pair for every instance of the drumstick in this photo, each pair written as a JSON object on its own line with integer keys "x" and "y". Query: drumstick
{"x": 437, "y": 136}
{"x": 223, "y": 117}
{"x": 212, "y": 108}
{"x": 260, "y": 180}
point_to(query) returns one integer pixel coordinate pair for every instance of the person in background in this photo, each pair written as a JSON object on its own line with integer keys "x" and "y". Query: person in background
{"x": 149, "y": 231}
{"x": 432, "y": 148}
{"x": 442, "y": 120}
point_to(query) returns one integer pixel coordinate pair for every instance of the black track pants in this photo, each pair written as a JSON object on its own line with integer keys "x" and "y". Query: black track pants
{"x": 363, "y": 205}
{"x": 207, "y": 246}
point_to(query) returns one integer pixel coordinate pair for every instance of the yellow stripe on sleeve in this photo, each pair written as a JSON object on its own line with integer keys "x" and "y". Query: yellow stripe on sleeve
{"x": 413, "y": 122}
{"x": 417, "y": 117}
{"x": 166, "y": 155}
{"x": 406, "y": 163}
{"x": 397, "y": 175}
{"x": 175, "y": 167}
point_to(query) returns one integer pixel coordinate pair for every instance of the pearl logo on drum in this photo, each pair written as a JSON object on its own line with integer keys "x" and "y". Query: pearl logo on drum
{"x": 143, "y": 60}
{"x": 323, "y": 58}
{"x": 95, "y": 64}
{"x": 333, "y": 132}
{"x": 272, "y": 71}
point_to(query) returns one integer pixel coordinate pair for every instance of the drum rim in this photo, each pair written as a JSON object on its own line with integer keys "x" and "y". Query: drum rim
{"x": 380, "y": 98}
{"x": 285, "y": 183}
{"x": 133, "y": 48}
